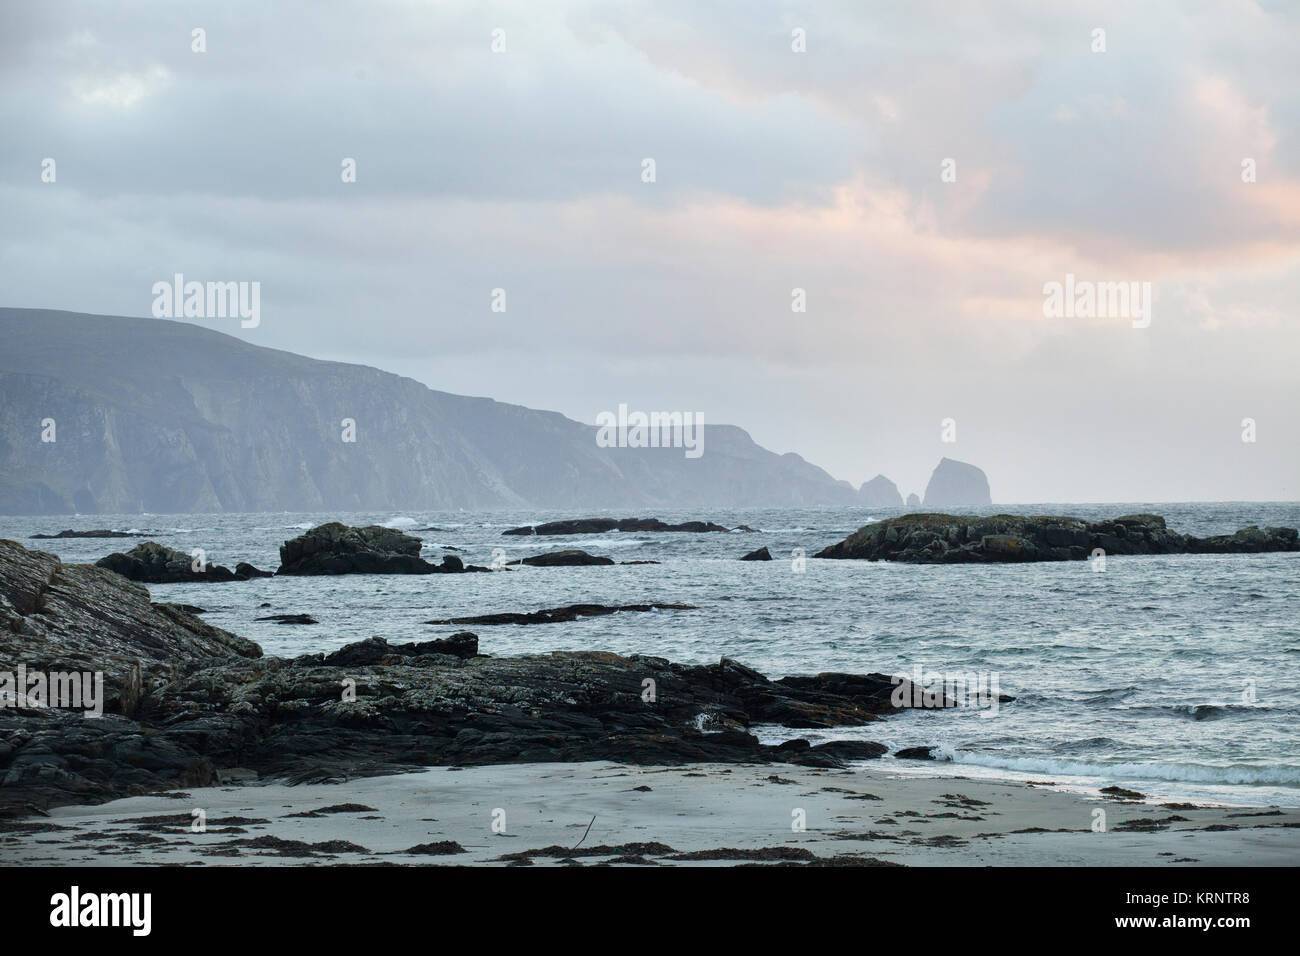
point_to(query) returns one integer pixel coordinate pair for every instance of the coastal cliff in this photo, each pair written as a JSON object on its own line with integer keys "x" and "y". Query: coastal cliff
{"x": 168, "y": 417}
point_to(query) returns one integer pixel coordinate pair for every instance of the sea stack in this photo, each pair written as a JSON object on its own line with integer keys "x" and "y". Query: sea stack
{"x": 880, "y": 492}
{"x": 955, "y": 484}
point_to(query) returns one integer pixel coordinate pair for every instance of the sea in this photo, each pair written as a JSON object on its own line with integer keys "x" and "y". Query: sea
{"x": 1174, "y": 675}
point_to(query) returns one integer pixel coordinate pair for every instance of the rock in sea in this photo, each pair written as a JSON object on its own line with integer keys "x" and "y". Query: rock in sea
{"x": 955, "y": 484}
{"x": 958, "y": 539}
{"x": 335, "y": 548}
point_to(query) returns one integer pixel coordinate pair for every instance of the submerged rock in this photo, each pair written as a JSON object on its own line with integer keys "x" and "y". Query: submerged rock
{"x": 561, "y": 614}
{"x": 916, "y": 753}
{"x": 96, "y": 533}
{"x": 572, "y": 557}
{"x": 958, "y": 539}
{"x": 600, "y": 525}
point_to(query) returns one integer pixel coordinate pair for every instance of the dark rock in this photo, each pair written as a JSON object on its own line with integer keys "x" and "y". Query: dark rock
{"x": 1249, "y": 540}
{"x": 335, "y": 548}
{"x": 440, "y": 848}
{"x": 97, "y": 533}
{"x": 916, "y": 753}
{"x": 376, "y": 650}
{"x": 152, "y": 563}
{"x": 570, "y": 558}
{"x": 958, "y": 539}
{"x": 832, "y": 754}
{"x": 746, "y": 528}
{"x": 1122, "y": 794}
{"x": 762, "y": 554}
{"x": 955, "y": 484}
{"x": 244, "y": 571}
{"x": 853, "y": 749}
{"x": 57, "y": 618}
{"x": 601, "y": 525}
{"x": 289, "y": 619}
{"x": 76, "y": 617}
{"x": 560, "y": 614}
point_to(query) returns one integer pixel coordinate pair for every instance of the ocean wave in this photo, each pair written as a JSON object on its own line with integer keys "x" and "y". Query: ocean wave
{"x": 1091, "y": 743}
{"x": 401, "y": 521}
{"x": 1181, "y": 773}
{"x": 584, "y": 543}
{"x": 1107, "y": 695}
{"x": 1192, "y": 711}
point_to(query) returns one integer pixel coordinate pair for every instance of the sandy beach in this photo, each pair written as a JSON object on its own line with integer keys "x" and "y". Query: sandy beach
{"x": 602, "y": 812}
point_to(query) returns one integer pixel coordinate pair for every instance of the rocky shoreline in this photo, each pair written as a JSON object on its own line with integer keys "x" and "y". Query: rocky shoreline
{"x": 190, "y": 705}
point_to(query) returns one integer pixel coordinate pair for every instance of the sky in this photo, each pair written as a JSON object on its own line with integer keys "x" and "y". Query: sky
{"x": 922, "y": 171}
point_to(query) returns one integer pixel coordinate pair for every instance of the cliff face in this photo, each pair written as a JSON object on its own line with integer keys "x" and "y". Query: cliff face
{"x": 957, "y": 484}
{"x": 169, "y": 417}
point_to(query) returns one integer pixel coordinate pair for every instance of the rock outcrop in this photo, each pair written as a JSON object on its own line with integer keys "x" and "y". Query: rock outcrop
{"x": 57, "y": 617}
{"x": 335, "y": 548}
{"x": 195, "y": 704}
{"x": 569, "y": 558}
{"x": 376, "y": 650}
{"x": 601, "y": 525}
{"x": 913, "y": 500}
{"x": 956, "y": 539}
{"x": 955, "y": 484}
{"x": 153, "y": 563}
{"x": 880, "y": 492}
{"x": 762, "y": 554}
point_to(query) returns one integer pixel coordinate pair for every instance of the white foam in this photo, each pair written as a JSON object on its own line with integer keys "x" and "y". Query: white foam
{"x": 1182, "y": 773}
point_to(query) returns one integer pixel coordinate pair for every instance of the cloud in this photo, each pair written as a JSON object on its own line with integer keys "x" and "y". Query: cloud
{"x": 776, "y": 170}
